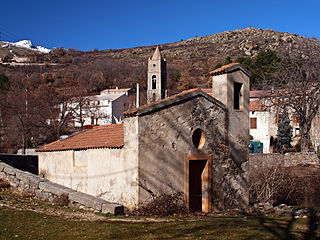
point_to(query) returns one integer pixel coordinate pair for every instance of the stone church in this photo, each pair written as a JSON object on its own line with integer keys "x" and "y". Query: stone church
{"x": 194, "y": 143}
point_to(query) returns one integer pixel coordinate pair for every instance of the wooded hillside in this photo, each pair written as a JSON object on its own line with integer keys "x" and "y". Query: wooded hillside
{"x": 44, "y": 80}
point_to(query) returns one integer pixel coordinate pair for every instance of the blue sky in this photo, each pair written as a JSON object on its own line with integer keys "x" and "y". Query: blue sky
{"x": 86, "y": 25}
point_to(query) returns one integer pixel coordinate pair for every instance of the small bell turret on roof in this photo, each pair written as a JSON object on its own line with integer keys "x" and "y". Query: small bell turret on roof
{"x": 157, "y": 54}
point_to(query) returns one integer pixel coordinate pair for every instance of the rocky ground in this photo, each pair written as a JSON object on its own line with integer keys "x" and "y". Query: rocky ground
{"x": 14, "y": 199}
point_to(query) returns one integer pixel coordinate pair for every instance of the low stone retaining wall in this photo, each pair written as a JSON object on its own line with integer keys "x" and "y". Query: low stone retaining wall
{"x": 44, "y": 189}
{"x": 285, "y": 160}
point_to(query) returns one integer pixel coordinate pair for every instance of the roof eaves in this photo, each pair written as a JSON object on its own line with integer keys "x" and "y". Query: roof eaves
{"x": 79, "y": 149}
{"x": 230, "y": 68}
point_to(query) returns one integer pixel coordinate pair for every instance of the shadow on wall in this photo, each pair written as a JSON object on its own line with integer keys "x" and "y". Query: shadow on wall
{"x": 165, "y": 142}
{"x": 28, "y": 163}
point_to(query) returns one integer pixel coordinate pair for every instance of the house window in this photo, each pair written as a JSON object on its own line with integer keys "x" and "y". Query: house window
{"x": 253, "y": 123}
{"x": 237, "y": 95}
{"x": 154, "y": 82}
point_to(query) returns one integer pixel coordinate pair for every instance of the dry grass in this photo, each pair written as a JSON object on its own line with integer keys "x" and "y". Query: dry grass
{"x": 4, "y": 184}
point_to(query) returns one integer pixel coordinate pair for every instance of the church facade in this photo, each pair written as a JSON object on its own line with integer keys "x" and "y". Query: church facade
{"x": 190, "y": 143}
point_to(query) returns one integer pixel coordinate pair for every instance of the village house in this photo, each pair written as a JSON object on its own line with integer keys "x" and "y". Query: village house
{"x": 190, "y": 143}
{"x": 104, "y": 108}
{"x": 264, "y": 121}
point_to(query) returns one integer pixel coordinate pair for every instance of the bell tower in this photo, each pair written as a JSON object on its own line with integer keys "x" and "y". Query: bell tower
{"x": 157, "y": 77}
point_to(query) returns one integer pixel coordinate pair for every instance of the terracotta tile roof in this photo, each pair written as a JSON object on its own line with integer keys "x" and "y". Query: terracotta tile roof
{"x": 259, "y": 93}
{"x": 223, "y": 68}
{"x": 228, "y": 68}
{"x": 109, "y": 136}
{"x": 207, "y": 90}
{"x": 170, "y": 100}
{"x": 256, "y": 105}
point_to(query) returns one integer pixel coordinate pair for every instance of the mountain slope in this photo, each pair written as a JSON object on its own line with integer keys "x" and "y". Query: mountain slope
{"x": 192, "y": 59}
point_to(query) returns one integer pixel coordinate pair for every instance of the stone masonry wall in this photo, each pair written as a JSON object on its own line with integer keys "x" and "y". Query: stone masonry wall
{"x": 44, "y": 189}
{"x": 286, "y": 160}
{"x": 165, "y": 138}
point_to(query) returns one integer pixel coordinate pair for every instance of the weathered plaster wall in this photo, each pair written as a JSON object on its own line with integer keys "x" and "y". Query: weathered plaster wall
{"x": 261, "y": 133}
{"x": 238, "y": 135}
{"x": 44, "y": 189}
{"x": 165, "y": 137}
{"x": 107, "y": 173}
{"x": 118, "y": 107}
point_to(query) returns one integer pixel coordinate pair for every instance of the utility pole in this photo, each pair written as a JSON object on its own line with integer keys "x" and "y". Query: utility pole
{"x": 138, "y": 97}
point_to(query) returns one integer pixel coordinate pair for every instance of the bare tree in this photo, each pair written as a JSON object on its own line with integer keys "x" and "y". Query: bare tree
{"x": 297, "y": 86}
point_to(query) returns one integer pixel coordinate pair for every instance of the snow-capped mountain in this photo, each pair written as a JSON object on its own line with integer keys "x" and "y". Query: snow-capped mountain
{"x": 26, "y": 44}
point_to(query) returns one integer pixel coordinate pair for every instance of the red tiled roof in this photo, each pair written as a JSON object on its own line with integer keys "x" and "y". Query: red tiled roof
{"x": 223, "y": 68}
{"x": 256, "y": 105}
{"x": 207, "y": 90}
{"x": 228, "y": 68}
{"x": 109, "y": 136}
{"x": 259, "y": 93}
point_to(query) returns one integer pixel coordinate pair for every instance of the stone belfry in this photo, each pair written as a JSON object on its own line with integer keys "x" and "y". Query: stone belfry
{"x": 157, "y": 77}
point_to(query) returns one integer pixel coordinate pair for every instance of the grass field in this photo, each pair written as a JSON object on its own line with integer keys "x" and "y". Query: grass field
{"x": 27, "y": 218}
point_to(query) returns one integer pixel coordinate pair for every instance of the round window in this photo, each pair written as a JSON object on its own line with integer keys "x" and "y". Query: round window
{"x": 198, "y": 138}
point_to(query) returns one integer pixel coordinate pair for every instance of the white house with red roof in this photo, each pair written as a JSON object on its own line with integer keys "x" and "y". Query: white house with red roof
{"x": 264, "y": 120}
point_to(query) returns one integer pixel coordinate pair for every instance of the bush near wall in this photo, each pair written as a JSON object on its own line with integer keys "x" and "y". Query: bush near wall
{"x": 278, "y": 180}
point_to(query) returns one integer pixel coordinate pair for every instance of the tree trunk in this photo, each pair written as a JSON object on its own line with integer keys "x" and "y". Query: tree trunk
{"x": 23, "y": 143}
{"x": 304, "y": 133}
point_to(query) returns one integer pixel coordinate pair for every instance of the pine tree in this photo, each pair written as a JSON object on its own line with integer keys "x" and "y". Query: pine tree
{"x": 284, "y": 133}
